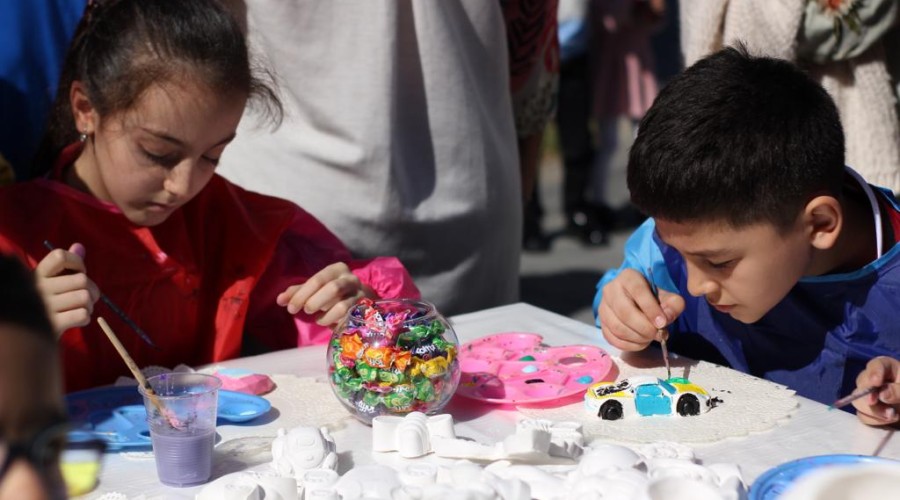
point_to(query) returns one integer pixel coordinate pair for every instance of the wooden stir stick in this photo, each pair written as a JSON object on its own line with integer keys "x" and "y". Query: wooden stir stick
{"x": 132, "y": 366}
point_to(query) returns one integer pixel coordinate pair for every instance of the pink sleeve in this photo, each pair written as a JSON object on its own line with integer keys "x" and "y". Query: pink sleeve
{"x": 306, "y": 246}
{"x": 387, "y": 276}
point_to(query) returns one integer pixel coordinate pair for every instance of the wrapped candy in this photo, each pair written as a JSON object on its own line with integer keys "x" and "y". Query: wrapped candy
{"x": 393, "y": 356}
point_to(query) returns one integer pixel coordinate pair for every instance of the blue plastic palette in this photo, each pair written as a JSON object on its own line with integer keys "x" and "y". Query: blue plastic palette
{"x": 776, "y": 480}
{"x": 117, "y": 414}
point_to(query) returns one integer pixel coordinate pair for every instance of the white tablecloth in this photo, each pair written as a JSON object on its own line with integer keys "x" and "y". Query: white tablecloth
{"x": 812, "y": 429}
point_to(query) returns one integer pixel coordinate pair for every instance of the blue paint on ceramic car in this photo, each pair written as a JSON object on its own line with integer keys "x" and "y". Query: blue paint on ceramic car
{"x": 651, "y": 399}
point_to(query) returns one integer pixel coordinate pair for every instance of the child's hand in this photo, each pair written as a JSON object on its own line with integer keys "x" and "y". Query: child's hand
{"x": 69, "y": 295}
{"x": 629, "y": 314}
{"x": 879, "y": 408}
{"x": 332, "y": 292}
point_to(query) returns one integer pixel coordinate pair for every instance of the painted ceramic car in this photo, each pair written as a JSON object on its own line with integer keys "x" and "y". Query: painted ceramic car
{"x": 646, "y": 396}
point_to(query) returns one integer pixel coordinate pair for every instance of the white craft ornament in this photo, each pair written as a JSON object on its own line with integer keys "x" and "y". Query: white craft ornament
{"x": 749, "y": 405}
{"x": 416, "y": 435}
{"x": 511, "y": 489}
{"x": 410, "y": 435}
{"x": 615, "y": 472}
{"x": 321, "y": 495}
{"x": 566, "y": 438}
{"x": 680, "y": 488}
{"x": 367, "y": 481}
{"x": 729, "y": 475}
{"x": 419, "y": 475}
{"x": 605, "y": 458}
{"x": 250, "y": 485}
{"x": 526, "y": 445}
{"x": 666, "y": 449}
{"x": 541, "y": 483}
{"x": 301, "y": 449}
{"x": 620, "y": 485}
{"x": 319, "y": 484}
{"x": 407, "y": 492}
{"x": 661, "y": 468}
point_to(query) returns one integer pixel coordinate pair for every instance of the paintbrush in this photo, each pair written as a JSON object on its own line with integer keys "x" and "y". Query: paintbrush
{"x": 662, "y": 333}
{"x": 853, "y": 396}
{"x": 120, "y": 313}
{"x": 133, "y": 367}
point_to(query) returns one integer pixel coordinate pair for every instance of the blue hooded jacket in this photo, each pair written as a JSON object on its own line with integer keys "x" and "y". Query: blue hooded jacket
{"x": 816, "y": 340}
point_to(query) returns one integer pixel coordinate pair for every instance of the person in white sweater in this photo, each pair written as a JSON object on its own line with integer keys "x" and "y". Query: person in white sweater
{"x": 860, "y": 68}
{"x": 412, "y": 129}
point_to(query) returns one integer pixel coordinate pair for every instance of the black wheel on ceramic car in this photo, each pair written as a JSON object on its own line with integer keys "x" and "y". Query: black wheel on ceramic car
{"x": 610, "y": 410}
{"x": 688, "y": 405}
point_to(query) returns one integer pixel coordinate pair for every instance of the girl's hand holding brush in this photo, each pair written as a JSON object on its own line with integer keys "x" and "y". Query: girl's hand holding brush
{"x": 66, "y": 289}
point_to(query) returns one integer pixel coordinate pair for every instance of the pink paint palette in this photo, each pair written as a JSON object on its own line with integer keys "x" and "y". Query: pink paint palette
{"x": 517, "y": 368}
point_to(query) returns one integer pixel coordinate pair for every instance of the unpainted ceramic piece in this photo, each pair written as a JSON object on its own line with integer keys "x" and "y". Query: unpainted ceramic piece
{"x": 250, "y": 485}
{"x": 301, "y": 449}
{"x": 566, "y": 438}
{"x": 613, "y": 472}
{"x": 416, "y": 435}
{"x": 410, "y": 435}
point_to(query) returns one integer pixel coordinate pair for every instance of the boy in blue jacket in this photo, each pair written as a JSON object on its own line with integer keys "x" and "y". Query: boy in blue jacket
{"x": 770, "y": 254}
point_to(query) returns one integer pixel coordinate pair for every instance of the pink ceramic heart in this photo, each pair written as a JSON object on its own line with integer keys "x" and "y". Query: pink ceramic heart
{"x": 517, "y": 368}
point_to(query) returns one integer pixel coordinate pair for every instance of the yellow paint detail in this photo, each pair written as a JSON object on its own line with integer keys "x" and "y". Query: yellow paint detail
{"x": 689, "y": 388}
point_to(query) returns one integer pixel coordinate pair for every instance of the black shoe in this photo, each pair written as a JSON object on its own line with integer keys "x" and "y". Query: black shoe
{"x": 534, "y": 239}
{"x": 591, "y": 223}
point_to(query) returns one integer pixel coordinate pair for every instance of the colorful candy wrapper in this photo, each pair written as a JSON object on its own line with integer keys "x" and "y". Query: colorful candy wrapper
{"x": 379, "y": 357}
{"x": 351, "y": 346}
{"x": 392, "y": 358}
{"x": 366, "y": 372}
{"x": 424, "y": 389}
{"x": 392, "y": 376}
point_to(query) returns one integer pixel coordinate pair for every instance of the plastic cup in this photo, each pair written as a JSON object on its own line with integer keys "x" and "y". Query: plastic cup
{"x": 184, "y": 433}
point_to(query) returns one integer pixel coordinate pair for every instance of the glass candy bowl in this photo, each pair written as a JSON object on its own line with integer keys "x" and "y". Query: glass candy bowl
{"x": 392, "y": 357}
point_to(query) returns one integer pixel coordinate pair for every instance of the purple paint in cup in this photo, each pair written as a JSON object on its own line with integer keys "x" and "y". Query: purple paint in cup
{"x": 183, "y": 438}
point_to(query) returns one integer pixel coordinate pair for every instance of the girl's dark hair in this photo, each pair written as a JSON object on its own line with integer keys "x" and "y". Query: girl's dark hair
{"x": 121, "y": 47}
{"x": 738, "y": 139}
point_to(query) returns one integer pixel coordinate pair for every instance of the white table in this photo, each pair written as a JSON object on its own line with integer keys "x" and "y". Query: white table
{"x": 812, "y": 429}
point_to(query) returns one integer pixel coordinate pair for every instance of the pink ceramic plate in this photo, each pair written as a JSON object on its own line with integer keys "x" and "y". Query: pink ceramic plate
{"x": 516, "y": 368}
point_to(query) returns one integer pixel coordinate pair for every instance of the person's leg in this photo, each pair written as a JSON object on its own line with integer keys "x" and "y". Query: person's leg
{"x": 607, "y": 139}
{"x": 627, "y": 216}
{"x": 533, "y": 237}
{"x": 573, "y": 117}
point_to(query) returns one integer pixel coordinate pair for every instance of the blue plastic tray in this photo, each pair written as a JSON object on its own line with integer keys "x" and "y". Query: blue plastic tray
{"x": 117, "y": 414}
{"x": 774, "y": 481}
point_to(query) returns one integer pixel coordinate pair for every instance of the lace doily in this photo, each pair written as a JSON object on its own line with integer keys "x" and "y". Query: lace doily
{"x": 749, "y": 404}
{"x": 296, "y": 400}
{"x": 306, "y": 401}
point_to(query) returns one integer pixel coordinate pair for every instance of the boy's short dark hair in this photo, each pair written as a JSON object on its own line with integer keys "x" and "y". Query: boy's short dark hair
{"x": 738, "y": 139}
{"x": 20, "y": 303}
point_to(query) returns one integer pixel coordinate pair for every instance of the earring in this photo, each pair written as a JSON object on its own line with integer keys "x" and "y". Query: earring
{"x": 82, "y": 137}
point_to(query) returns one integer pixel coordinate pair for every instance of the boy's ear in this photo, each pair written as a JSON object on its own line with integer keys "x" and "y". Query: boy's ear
{"x": 83, "y": 112}
{"x": 823, "y": 219}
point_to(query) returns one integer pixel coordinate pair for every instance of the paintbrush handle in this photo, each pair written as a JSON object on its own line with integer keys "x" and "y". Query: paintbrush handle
{"x": 119, "y": 312}
{"x": 132, "y": 366}
{"x": 844, "y": 401}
